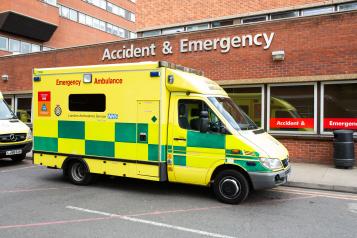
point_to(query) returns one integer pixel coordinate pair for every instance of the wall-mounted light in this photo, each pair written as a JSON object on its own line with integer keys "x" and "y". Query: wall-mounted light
{"x": 5, "y": 77}
{"x": 278, "y": 55}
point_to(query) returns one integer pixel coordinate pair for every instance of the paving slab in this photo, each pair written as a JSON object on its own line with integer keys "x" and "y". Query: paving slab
{"x": 325, "y": 177}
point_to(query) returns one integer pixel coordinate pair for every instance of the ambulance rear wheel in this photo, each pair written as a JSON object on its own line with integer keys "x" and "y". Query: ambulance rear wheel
{"x": 78, "y": 173}
{"x": 230, "y": 186}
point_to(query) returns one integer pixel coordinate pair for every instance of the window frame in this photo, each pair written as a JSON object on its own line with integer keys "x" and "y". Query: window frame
{"x": 268, "y": 129}
{"x": 261, "y": 86}
{"x": 344, "y": 4}
{"x": 322, "y": 104}
{"x": 254, "y": 17}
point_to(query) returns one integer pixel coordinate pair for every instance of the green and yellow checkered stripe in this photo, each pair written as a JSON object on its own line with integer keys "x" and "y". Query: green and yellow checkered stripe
{"x": 102, "y": 139}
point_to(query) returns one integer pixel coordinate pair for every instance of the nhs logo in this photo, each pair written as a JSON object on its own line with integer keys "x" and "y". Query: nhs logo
{"x": 112, "y": 116}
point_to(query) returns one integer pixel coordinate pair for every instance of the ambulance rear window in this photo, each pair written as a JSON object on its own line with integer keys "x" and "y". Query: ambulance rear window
{"x": 86, "y": 102}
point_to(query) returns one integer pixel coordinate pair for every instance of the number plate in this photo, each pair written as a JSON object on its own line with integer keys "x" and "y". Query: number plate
{"x": 13, "y": 152}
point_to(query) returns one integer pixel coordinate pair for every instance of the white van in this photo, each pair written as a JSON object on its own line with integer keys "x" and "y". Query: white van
{"x": 15, "y": 136}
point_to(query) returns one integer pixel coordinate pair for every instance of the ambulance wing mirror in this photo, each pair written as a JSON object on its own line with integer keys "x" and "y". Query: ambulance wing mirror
{"x": 204, "y": 121}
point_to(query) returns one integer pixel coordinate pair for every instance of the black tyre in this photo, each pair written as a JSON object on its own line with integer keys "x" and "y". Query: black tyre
{"x": 230, "y": 186}
{"x": 18, "y": 158}
{"x": 78, "y": 173}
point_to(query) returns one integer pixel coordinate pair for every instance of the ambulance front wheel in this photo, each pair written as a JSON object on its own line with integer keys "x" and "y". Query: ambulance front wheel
{"x": 78, "y": 173}
{"x": 230, "y": 186}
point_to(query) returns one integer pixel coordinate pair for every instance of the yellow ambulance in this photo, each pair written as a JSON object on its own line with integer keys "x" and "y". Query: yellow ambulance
{"x": 15, "y": 136}
{"x": 151, "y": 120}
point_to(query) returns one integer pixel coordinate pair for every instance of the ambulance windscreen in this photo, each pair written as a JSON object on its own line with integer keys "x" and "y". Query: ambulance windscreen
{"x": 238, "y": 119}
{"x": 5, "y": 112}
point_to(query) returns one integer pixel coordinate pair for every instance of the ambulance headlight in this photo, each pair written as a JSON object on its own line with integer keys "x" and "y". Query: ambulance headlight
{"x": 271, "y": 163}
{"x": 29, "y": 134}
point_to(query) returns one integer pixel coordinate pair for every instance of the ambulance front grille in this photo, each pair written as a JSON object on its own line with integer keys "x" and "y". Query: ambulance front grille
{"x": 6, "y": 138}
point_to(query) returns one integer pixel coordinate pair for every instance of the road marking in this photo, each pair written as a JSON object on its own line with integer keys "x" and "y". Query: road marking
{"x": 153, "y": 223}
{"x": 352, "y": 207}
{"x": 334, "y": 195}
{"x": 52, "y": 223}
{"x": 10, "y": 170}
{"x": 32, "y": 190}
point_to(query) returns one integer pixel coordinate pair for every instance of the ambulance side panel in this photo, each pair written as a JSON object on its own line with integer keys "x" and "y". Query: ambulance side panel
{"x": 125, "y": 138}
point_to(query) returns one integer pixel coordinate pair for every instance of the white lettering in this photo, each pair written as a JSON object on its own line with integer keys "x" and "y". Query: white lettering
{"x": 236, "y": 42}
{"x": 256, "y": 41}
{"x": 183, "y": 45}
{"x": 195, "y": 46}
{"x": 269, "y": 40}
{"x": 245, "y": 38}
{"x": 225, "y": 45}
{"x": 106, "y": 54}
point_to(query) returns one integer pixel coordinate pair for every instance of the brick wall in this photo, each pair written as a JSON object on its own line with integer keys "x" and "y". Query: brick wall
{"x": 153, "y": 13}
{"x": 311, "y": 150}
{"x": 320, "y": 45}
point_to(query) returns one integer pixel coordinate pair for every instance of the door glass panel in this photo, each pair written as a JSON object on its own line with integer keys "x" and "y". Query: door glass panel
{"x": 23, "y": 111}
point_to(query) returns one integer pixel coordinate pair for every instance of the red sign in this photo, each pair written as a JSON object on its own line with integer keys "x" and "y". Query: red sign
{"x": 340, "y": 123}
{"x": 44, "y": 104}
{"x": 292, "y": 123}
{"x": 44, "y": 96}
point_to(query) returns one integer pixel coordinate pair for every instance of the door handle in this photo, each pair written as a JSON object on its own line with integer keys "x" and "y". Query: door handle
{"x": 182, "y": 139}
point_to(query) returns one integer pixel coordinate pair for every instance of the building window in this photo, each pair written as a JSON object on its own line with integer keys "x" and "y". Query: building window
{"x": 317, "y": 10}
{"x": 339, "y": 106}
{"x": 35, "y": 48}
{"x": 282, "y": 15}
{"x": 347, "y": 6}
{"x": 4, "y": 43}
{"x": 254, "y": 19}
{"x": 197, "y": 27}
{"x": 25, "y": 47}
{"x": 51, "y": 2}
{"x": 14, "y": 45}
{"x": 250, "y": 100}
{"x": 86, "y": 102}
{"x": 173, "y": 30}
{"x": 73, "y": 15}
{"x": 9, "y": 101}
{"x": 151, "y": 33}
{"x": 64, "y": 12}
{"x": 222, "y": 23}
{"x": 292, "y": 108}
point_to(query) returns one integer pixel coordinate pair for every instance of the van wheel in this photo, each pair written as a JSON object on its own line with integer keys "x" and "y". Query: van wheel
{"x": 78, "y": 173}
{"x": 230, "y": 187}
{"x": 18, "y": 158}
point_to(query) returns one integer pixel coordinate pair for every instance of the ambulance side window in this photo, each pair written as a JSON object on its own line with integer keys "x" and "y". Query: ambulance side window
{"x": 189, "y": 116}
{"x": 87, "y": 102}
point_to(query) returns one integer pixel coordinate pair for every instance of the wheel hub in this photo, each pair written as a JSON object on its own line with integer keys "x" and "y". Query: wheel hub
{"x": 229, "y": 188}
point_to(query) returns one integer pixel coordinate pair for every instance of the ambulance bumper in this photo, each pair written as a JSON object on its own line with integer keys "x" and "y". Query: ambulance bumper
{"x": 15, "y": 149}
{"x": 269, "y": 180}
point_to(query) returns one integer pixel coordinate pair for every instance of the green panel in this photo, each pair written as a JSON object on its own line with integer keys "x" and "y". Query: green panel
{"x": 142, "y": 128}
{"x": 163, "y": 153}
{"x": 179, "y": 160}
{"x": 257, "y": 168}
{"x": 45, "y": 144}
{"x": 100, "y": 148}
{"x": 206, "y": 140}
{"x": 153, "y": 152}
{"x": 125, "y": 132}
{"x": 71, "y": 129}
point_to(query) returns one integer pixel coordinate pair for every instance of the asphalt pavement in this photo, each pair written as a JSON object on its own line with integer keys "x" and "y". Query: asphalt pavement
{"x": 38, "y": 202}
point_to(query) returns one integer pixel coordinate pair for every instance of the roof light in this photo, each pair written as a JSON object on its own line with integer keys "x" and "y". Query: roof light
{"x": 37, "y": 79}
{"x": 87, "y": 78}
{"x": 155, "y": 74}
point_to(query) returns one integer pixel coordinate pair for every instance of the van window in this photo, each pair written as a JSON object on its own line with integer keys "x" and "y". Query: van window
{"x": 189, "y": 116}
{"x": 87, "y": 102}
